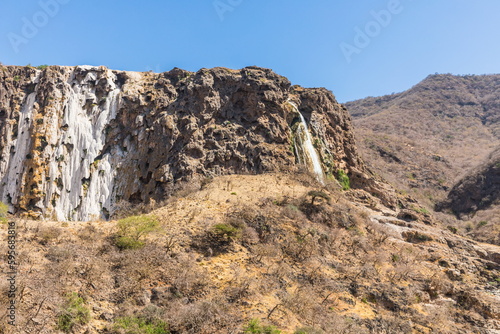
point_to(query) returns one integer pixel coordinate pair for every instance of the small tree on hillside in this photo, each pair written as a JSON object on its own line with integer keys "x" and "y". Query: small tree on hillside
{"x": 317, "y": 194}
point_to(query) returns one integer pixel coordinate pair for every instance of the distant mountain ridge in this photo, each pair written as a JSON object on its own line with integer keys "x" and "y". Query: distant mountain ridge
{"x": 427, "y": 139}
{"x": 446, "y": 95}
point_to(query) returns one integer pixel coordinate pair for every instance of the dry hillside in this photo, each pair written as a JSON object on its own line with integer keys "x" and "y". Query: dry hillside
{"x": 272, "y": 253}
{"x": 428, "y": 138}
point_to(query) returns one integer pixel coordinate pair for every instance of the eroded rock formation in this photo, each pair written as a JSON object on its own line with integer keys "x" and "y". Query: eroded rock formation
{"x": 76, "y": 140}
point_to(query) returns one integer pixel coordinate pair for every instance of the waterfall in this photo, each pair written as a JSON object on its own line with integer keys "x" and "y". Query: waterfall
{"x": 304, "y": 148}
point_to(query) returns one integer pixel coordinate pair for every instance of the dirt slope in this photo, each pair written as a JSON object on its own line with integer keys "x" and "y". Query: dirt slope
{"x": 246, "y": 247}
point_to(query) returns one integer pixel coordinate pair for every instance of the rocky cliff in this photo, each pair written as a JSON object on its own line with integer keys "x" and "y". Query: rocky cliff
{"x": 77, "y": 140}
{"x": 478, "y": 190}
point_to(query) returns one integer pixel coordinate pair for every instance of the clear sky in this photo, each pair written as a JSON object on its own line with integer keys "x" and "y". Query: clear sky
{"x": 355, "y": 48}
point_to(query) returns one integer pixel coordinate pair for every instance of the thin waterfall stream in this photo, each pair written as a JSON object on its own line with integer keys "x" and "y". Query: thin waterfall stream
{"x": 304, "y": 148}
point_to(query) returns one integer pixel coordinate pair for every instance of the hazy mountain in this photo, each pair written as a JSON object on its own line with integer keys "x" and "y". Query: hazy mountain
{"x": 428, "y": 138}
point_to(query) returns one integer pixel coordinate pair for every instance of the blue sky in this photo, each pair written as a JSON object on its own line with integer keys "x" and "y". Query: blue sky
{"x": 354, "y": 48}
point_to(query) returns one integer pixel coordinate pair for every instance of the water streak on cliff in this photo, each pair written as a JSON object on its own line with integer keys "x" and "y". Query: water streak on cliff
{"x": 304, "y": 148}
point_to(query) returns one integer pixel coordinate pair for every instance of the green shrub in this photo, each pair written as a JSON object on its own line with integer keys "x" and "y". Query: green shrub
{"x": 421, "y": 237}
{"x": 42, "y": 67}
{"x": 139, "y": 325}
{"x": 3, "y": 212}
{"x": 73, "y": 312}
{"x": 422, "y": 210}
{"x": 452, "y": 229}
{"x": 317, "y": 194}
{"x": 482, "y": 223}
{"x": 343, "y": 179}
{"x": 254, "y": 327}
{"x": 226, "y": 231}
{"x": 126, "y": 242}
{"x": 17, "y": 78}
{"x": 132, "y": 230}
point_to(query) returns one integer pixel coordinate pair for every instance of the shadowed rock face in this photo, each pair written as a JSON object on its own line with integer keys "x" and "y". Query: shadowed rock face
{"x": 479, "y": 190}
{"x": 76, "y": 140}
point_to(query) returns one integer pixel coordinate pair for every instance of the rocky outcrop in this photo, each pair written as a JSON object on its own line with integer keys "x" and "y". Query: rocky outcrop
{"x": 478, "y": 190}
{"x": 76, "y": 140}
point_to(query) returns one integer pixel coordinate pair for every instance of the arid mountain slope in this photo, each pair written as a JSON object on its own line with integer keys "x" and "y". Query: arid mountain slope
{"x": 476, "y": 200}
{"x": 479, "y": 190}
{"x": 279, "y": 248}
{"x": 427, "y": 138}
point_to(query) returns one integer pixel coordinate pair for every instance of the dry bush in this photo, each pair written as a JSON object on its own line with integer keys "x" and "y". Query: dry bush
{"x": 258, "y": 219}
{"x": 439, "y": 319}
{"x": 239, "y": 286}
{"x": 186, "y": 188}
{"x": 389, "y": 325}
{"x": 416, "y": 237}
{"x": 124, "y": 209}
{"x": 308, "y": 330}
{"x": 62, "y": 266}
{"x": 302, "y": 302}
{"x": 4, "y": 291}
{"x": 330, "y": 322}
{"x": 88, "y": 233}
{"x": 405, "y": 262}
{"x": 187, "y": 277}
{"x": 319, "y": 213}
{"x": 438, "y": 284}
{"x": 336, "y": 241}
{"x": 301, "y": 246}
{"x": 263, "y": 251}
{"x": 342, "y": 216}
{"x": 380, "y": 232}
{"x": 133, "y": 270}
{"x": 376, "y": 259}
{"x": 306, "y": 178}
{"x": 361, "y": 246}
{"x": 48, "y": 234}
{"x": 293, "y": 212}
{"x": 276, "y": 277}
{"x": 207, "y": 316}
{"x": 60, "y": 253}
{"x": 249, "y": 236}
{"x": 220, "y": 238}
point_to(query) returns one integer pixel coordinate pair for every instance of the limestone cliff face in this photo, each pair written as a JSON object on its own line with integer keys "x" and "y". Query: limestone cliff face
{"x": 76, "y": 140}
